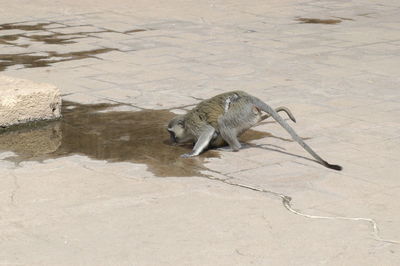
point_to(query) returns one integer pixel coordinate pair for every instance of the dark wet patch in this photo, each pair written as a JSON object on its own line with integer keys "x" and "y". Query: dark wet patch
{"x": 59, "y": 38}
{"x": 6, "y": 39}
{"x": 26, "y": 34}
{"x": 342, "y": 18}
{"x": 48, "y": 37}
{"x": 135, "y": 30}
{"x": 318, "y": 21}
{"x": 41, "y": 32}
{"x": 114, "y": 136}
{"x": 25, "y": 27}
{"x": 29, "y": 60}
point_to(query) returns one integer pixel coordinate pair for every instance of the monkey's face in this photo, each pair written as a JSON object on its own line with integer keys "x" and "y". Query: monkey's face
{"x": 177, "y": 131}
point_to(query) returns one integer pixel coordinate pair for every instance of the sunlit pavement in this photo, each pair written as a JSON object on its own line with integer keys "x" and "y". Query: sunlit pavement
{"x": 335, "y": 64}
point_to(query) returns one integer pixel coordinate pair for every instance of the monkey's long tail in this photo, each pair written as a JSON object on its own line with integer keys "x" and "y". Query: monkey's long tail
{"x": 280, "y": 109}
{"x": 266, "y": 108}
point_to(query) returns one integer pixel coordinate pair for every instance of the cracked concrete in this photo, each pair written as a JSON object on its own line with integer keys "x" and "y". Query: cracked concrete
{"x": 339, "y": 78}
{"x": 286, "y": 201}
{"x": 14, "y": 192}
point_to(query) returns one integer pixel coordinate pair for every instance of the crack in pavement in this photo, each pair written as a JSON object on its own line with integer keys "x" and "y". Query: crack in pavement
{"x": 286, "y": 201}
{"x": 16, "y": 187}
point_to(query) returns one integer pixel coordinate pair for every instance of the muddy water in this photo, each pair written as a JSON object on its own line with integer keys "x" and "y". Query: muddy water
{"x": 114, "y": 136}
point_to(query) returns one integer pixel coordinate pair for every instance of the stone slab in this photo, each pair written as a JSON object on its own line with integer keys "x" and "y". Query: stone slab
{"x": 23, "y": 101}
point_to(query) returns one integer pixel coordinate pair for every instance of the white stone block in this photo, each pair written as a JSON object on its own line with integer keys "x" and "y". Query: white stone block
{"x": 23, "y": 101}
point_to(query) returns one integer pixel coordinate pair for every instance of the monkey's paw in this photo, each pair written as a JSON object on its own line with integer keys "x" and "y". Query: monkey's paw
{"x": 228, "y": 149}
{"x": 187, "y": 155}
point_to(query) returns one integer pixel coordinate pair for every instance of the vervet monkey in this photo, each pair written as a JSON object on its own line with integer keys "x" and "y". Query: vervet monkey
{"x": 223, "y": 118}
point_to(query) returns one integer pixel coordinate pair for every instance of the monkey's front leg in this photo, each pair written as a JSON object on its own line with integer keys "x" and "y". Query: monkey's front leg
{"x": 202, "y": 143}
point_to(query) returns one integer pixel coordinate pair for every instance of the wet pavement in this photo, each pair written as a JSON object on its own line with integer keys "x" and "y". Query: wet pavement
{"x": 105, "y": 186}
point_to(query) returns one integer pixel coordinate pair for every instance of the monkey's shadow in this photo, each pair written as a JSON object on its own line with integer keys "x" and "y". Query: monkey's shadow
{"x": 251, "y": 135}
{"x": 280, "y": 150}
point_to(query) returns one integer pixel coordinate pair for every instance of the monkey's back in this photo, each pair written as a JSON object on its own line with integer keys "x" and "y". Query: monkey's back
{"x": 208, "y": 111}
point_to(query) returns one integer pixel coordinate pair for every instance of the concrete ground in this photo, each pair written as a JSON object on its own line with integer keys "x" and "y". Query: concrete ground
{"x": 339, "y": 75}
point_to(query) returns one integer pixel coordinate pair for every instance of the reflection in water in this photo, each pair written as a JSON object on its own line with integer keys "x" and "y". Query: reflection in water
{"x": 114, "y": 136}
{"x": 38, "y": 139}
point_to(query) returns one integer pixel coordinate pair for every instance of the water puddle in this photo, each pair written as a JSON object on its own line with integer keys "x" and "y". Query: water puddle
{"x": 318, "y": 21}
{"x": 114, "y": 136}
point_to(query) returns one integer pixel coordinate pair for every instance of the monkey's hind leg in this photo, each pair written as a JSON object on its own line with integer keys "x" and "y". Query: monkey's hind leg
{"x": 228, "y": 124}
{"x": 202, "y": 143}
{"x": 230, "y": 136}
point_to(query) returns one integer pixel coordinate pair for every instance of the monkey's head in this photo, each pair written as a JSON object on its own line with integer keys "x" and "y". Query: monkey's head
{"x": 177, "y": 131}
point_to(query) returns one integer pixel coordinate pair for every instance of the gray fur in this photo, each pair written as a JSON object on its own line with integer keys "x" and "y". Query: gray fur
{"x": 226, "y": 116}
